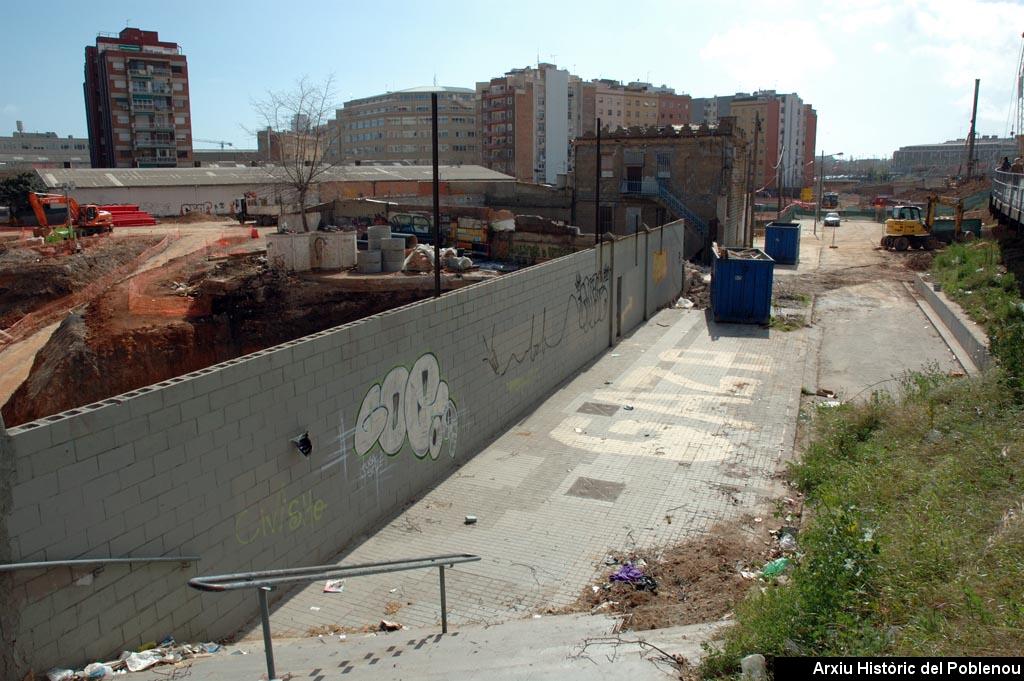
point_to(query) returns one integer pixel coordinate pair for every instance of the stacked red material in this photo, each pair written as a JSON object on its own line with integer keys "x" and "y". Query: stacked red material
{"x": 129, "y": 215}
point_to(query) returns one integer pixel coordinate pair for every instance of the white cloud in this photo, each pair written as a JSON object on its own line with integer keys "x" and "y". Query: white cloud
{"x": 743, "y": 52}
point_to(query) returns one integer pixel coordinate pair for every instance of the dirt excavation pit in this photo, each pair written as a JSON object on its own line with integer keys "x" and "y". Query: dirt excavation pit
{"x": 699, "y": 580}
{"x": 31, "y": 276}
{"x": 186, "y": 315}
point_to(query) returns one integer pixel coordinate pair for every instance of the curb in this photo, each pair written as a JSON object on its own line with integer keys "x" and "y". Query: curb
{"x": 970, "y": 337}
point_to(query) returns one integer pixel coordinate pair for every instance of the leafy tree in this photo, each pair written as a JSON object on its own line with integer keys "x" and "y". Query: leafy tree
{"x": 14, "y": 191}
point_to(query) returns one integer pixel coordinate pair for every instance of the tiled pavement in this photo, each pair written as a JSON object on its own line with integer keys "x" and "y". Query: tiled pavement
{"x": 677, "y": 427}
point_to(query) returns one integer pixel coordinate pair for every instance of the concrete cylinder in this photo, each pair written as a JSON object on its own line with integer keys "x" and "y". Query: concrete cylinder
{"x": 393, "y": 244}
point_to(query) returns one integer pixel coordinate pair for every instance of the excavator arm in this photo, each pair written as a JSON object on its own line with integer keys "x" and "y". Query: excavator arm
{"x": 957, "y": 204}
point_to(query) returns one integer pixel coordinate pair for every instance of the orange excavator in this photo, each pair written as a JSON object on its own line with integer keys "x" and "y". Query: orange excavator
{"x": 86, "y": 220}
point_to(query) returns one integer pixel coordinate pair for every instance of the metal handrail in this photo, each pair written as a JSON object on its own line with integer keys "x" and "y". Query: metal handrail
{"x": 45, "y": 564}
{"x": 264, "y": 581}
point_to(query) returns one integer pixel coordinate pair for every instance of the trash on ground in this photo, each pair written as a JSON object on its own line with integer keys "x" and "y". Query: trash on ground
{"x": 611, "y": 560}
{"x": 684, "y": 304}
{"x": 136, "y": 662}
{"x": 628, "y": 407}
{"x": 314, "y": 608}
{"x": 822, "y": 392}
{"x": 787, "y": 542}
{"x": 747, "y": 574}
{"x": 334, "y": 586}
{"x": 388, "y": 625}
{"x": 631, "y": 573}
{"x": 148, "y": 655}
{"x": 831, "y": 404}
{"x": 775, "y": 568}
{"x": 470, "y": 520}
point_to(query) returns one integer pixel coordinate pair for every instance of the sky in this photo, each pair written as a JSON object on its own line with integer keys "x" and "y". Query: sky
{"x": 881, "y": 74}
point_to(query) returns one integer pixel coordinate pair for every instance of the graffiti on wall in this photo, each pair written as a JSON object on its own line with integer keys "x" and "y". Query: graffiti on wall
{"x": 281, "y": 516}
{"x": 411, "y": 405}
{"x": 589, "y": 299}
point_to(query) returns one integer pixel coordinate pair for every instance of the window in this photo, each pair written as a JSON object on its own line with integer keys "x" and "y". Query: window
{"x": 606, "y": 217}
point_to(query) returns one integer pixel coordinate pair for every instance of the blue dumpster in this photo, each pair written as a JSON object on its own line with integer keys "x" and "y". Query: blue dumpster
{"x": 782, "y": 242}
{"x": 741, "y": 285}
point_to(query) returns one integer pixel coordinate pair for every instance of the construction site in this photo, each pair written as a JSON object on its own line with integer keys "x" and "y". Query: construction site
{"x": 108, "y": 313}
{"x": 550, "y": 378}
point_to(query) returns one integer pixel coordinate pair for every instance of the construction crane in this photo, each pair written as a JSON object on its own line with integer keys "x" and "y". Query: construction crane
{"x": 222, "y": 143}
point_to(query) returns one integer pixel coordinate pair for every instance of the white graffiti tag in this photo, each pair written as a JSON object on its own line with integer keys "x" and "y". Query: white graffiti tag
{"x": 408, "y": 404}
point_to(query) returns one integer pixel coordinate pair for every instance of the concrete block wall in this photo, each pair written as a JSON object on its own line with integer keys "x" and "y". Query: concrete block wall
{"x": 203, "y": 464}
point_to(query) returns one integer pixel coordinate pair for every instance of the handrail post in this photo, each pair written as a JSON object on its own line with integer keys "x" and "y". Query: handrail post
{"x": 268, "y": 646}
{"x": 444, "y": 602}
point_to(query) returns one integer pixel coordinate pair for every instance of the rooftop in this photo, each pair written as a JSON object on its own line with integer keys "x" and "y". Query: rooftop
{"x": 173, "y": 177}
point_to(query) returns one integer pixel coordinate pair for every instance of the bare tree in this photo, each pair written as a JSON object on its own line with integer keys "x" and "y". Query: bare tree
{"x": 298, "y": 119}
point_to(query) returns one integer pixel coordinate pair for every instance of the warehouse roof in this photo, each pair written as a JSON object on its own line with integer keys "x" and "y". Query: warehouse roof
{"x": 177, "y": 177}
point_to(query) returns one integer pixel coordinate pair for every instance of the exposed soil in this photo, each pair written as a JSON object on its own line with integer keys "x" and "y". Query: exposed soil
{"x": 697, "y": 581}
{"x": 205, "y": 314}
{"x": 31, "y": 277}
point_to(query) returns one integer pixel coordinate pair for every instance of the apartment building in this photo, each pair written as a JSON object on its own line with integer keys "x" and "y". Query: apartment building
{"x": 137, "y": 101}
{"x": 524, "y": 121}
{"x": 636, "y": 104}
{"x": 785, "y": 151}
{"x": 43, "y": 150}
{"x": 395, "y": 127}
{"x": 709, "y": 109}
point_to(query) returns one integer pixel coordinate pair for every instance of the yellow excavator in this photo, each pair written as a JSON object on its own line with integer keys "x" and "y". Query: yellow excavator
{"x": 905, "y": 229}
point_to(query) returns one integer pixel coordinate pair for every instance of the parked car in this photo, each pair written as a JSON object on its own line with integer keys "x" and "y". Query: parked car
{"x": 832, "y": 220}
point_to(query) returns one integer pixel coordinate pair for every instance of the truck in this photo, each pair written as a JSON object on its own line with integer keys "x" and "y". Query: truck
{"x": 86, "y": 220}
{"x": 829, "y": 200}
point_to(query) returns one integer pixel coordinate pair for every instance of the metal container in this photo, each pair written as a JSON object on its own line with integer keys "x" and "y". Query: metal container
{"x": 782, "y": 242}
{"x": 944, "y": 228}
{"x": 741, "y": 286}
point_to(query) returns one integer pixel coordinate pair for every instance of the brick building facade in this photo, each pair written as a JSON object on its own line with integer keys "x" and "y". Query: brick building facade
{"x": 137, "y": 102}
{"x": 650, "y": 176}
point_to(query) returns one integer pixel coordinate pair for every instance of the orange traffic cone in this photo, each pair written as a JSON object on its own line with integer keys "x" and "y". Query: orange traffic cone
{"x": 254, "y": 234}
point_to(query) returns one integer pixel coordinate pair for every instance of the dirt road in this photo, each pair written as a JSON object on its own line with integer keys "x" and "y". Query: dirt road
{"x": 871, "y": 327}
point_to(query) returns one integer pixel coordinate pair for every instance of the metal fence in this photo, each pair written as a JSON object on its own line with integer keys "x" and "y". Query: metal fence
{"x": 1008, "y": 195}
{"x": 266, "y": 580}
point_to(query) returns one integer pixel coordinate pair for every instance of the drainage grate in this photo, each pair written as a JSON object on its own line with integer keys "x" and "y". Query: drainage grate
{"x": 598, "y": 408}
{"x": 591, "y": 488}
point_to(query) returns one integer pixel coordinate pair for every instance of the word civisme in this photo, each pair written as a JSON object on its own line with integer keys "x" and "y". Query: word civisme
{"x": 871, "y": 667}
{"x": 280, "y": 516}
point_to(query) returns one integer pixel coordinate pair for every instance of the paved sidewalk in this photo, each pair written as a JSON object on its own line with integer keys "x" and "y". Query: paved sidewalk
{"x": 678, "y": 427}
{"x": 559, "y": 648}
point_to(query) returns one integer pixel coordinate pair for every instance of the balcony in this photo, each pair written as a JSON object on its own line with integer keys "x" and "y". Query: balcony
{"x": 154, "y": 144}
{"x": 646, "y": 187}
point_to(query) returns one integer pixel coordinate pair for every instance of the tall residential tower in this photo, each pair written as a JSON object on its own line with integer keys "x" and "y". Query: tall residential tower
{"x": 137, "y": 102}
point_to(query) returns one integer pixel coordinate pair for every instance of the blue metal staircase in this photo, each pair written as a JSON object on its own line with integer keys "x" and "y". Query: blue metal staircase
{"x": 679, "y": 208}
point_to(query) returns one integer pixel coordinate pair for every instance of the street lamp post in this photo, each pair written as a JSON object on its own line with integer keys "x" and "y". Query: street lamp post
{"x": 68, "y": 187}
{"x": 821, "y": 195}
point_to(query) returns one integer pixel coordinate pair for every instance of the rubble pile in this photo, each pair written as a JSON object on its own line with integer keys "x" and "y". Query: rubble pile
{"x": 166, "y": 652}
{"x": 697, "y": 285}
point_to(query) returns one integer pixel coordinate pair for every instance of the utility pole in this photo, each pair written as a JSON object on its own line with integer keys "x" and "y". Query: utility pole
{"x": 970, "y": 137}
{"x": 752, "y": 175}
{"x": 437, "y": 203}
{"x": 597, "y": 192}
{"x": 821, "y": 184}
